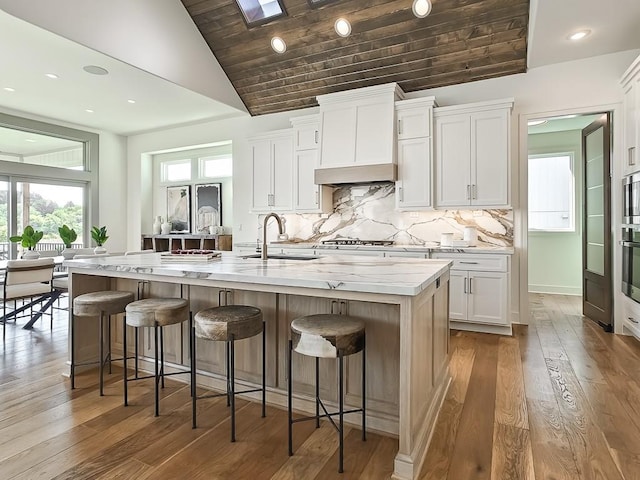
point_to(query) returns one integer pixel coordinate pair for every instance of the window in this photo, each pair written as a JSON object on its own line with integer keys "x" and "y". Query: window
{"x": 551, "y": 193}
{"x": 215, "y": 166}
{"x": 37, "y": 149}
{"x": 176, "y": 170}
{"x": 256, "y": 12}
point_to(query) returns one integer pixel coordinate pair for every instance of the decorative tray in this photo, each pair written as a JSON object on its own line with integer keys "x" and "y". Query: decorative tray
{"x": 193, "y": 255}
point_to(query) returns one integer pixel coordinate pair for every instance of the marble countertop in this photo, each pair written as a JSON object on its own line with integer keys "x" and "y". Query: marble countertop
{"x": 427, "y": 248}
{"x": 396, "y": 276}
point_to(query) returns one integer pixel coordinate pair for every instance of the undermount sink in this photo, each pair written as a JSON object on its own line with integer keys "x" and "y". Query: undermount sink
{"x": 283, "y": 257}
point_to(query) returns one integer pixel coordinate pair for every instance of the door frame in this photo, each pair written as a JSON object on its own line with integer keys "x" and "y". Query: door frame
{"x": 521, "y": 224}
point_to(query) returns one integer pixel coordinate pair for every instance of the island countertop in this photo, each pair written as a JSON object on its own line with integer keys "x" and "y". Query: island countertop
{"x": 395, "y": 276}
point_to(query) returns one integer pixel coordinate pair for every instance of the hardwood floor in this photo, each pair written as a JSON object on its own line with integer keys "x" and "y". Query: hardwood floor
{"x": 558, "y": 400}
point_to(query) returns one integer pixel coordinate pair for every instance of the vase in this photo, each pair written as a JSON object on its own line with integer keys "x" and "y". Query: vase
{"x": 99, "y": 250}
{"x": 30, "y": 255}
{"x": 157, "y": 225}
{"x": 166, "y": 228}
{"x": 68, "y": 253}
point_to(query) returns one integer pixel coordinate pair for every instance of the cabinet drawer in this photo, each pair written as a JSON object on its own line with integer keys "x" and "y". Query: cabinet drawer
{"x": 487, "y": 263}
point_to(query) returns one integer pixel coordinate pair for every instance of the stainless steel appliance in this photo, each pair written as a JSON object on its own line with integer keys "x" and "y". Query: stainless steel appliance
{"x": 631, "y": 262}
{"x": 631, "y": 199}
{"x": 357, "y": 241}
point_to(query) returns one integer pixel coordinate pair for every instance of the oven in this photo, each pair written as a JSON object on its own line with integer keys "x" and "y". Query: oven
{"x": 631, "y": 199}
{"x": 631, "y": 262}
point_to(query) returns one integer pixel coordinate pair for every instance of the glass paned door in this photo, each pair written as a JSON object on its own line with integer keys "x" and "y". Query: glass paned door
{"x": 5, "y": 247}
{"x": 47, "y": 207}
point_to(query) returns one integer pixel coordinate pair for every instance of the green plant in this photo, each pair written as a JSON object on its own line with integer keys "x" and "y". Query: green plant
{"x": 67, "y": 235}
{"x": 29, "y": 238}
{"x": 99, "y": 235}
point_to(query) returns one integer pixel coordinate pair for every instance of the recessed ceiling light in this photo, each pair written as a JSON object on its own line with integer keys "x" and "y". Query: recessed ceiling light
{"x": 579, "y": 35}
{"x": 30, "y": 140}
{"x": 95, "y": 70}
{"x": 88, "y": 110}
{"x": 421, "y": 8}
{"x": 51, "y": 75}
{"x": 533, "y": 123}
{"x": 131, "y": 100}
{"x": 278, "y": 45}
{"x": 342, "y": 27}
{"x": 9, "y": 89}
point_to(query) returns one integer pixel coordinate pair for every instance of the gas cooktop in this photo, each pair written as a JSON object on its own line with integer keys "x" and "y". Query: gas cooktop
{"x": 357, "y": 241}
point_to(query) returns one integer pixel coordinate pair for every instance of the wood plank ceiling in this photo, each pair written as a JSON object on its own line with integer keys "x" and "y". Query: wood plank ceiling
{"x": 460, "y": 41}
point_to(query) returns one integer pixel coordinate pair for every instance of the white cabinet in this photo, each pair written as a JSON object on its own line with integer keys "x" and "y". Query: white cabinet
{"x": 414, "y": 188}
{"x": 479, "y": 289}
{"x": 307, "y": 196}
{"x": 472, "y": 146}
{"x": 357, "y": 127}
{"x": 631, "y": 89}
{"x": 272, "y": 169}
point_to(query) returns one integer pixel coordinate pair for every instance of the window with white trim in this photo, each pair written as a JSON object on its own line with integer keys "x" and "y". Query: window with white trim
{"x": 551, "y": 193}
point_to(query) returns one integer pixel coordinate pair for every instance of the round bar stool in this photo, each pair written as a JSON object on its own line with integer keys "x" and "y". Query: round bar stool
{"x": 98, "y": 304}
{"x": 155, "y": 313}
{"x": 228, "y": 324}
{"x": 327, "y": 336}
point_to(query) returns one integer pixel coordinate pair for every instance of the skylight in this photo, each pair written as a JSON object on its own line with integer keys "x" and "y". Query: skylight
{"x": 256, "y": 12}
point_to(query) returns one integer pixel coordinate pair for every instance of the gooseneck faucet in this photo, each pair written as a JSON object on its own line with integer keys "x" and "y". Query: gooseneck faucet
{"x": 264, "y": 231}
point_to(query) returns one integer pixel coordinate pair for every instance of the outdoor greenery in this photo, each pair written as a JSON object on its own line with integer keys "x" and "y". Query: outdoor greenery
{"x": 44, "y": 215}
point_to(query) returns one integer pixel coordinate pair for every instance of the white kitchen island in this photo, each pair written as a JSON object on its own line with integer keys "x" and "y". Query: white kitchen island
{"x": 403, "y": 301}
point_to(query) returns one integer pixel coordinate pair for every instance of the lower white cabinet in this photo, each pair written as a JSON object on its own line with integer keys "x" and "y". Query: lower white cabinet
{"x": 479, "y": 288}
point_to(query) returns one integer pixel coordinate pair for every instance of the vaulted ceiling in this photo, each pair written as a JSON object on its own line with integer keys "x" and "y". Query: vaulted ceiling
{"x": 459, "y": 41}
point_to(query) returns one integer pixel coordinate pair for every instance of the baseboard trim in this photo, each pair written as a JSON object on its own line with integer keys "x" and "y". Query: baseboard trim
{"x": 555, "y": 289}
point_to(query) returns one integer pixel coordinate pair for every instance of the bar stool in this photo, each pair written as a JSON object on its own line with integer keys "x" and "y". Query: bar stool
{"x": 97, "y": 304}
{"x": 228, "y": 324}
{"x": 327, "y": 336}
{"x": 155, "y": 313}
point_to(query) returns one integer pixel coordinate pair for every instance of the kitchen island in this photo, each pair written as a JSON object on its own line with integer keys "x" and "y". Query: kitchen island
{"x": 404, "y": 303}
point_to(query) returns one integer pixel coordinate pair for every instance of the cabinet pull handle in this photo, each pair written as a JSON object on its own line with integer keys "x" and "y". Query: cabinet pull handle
{"x": 399, "y": 127}
{"x": 474, "y": 191}
{"x": 632, "y": 320}
{"x": 334, "y": 304}
{"x": 632, "y": 157}
{"x": 229, "y": 297}
{"x": 465, "y": 285}
{"x": 471, "y": 286}
{"x": 469, "y": 263}
{"x": 401, "y": 193}
{"x": 317, "y": 197}
{"x": 468, "y": 192}
{"x": 315, "y": 136}
{"x": 220, "y": 304}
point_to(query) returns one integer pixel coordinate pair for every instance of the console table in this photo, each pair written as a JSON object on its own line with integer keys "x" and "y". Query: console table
{"x": 164, "y": 243}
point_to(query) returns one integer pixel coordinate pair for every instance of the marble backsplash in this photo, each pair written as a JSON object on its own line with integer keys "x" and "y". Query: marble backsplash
{"x": 368, "y": 212}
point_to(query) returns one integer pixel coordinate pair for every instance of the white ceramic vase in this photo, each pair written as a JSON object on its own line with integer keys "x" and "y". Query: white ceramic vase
{"x": 157, "y": 225}
{"x": 99, "y": 250}
{"x": 68, "y": 253}
{"x": 30, "y": 255}
{"x": 166, "y": 228}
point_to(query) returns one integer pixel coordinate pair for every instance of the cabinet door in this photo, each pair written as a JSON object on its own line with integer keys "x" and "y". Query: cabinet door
{"x": 453, "y": 160}
{"x": 413, "y": 189}
{"x": 487, "y": 297}
{"x": 261, "y": 171}
{"x": 282, "y": 174}
{"x": 490, "y": 157}
{"x": 414, "y": 123}
{"x": 630, "y": 122}
{"x": 458, "y": 295}
{"x": 374, "y": 134}
{"x": 307, "y": 193}
{"x": 307, "y": 137}
{"x": 338, "y": 136}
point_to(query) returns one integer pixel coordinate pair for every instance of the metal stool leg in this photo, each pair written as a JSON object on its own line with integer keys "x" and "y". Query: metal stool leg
{"x": 135, "y": 352}
{"x": 264, "y": 369}
{"x": 341, "y": 406}
{"x": 192, "y": 337}
{"x": 233, "y": 393}
{"x": 162, "y": 356}
{"x": 109, "y": 342}
{"x": 289, "y": 399}
{"x": 73, "y": 349}
{"x": 124, "y": 358}
{"x": 317, "y": 392}
{"x": 101, "y": 353}
{"x": 364, "y": 389}
{"x": 156, "y": 371}
{"x": 226, "y": 366}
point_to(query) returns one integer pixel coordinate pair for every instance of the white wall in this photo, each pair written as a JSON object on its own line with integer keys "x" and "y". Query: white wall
{"x": 154, "y": 35}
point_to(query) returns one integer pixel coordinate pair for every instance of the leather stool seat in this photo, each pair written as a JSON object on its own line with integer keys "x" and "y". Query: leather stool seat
{"x": 326, "y": 335}
{"x": 157, "y": 311}
{"x": 108, "y": 302}
{"x": 221, "y": 323}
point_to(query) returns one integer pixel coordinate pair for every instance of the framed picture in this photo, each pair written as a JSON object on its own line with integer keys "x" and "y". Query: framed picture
{"x": 208, "y": 207}
{"x": 178, "y": 204}
{"x": 257, "y": 12}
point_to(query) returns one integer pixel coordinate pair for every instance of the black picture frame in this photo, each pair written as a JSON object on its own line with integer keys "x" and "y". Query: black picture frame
{"x": 179, "y": 208}
{"x": 207, "y": 207}
{"x": 252, "y": 18}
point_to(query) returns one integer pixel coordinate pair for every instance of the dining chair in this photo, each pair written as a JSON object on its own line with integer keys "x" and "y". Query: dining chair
{"x": 28, "y": 279}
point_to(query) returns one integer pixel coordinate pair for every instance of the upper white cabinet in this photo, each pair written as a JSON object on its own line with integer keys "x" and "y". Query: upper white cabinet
{"x": 414, "y": 187}
{"x": 272, "y": 164}
{"x": 307, "y": 196}
{"x": 357, "y": 127}
{"x": 472, "y": 145}
{"x": 631, "y": 88}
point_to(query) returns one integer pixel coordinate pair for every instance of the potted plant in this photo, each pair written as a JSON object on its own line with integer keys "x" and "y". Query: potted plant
{"x": 29, "y": 239}
{"x": 99, "y": 236}
{"x": 68, "y": 236}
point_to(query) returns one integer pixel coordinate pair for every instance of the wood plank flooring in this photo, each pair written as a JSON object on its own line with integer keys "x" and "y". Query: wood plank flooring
{"x": 558, "y": 400}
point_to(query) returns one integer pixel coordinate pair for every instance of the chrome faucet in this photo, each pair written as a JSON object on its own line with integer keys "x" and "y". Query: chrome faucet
{"x": 264, "y": 231}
